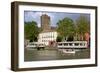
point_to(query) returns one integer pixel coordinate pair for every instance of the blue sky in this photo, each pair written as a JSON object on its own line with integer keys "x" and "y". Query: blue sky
{"x": 54, "y": 16}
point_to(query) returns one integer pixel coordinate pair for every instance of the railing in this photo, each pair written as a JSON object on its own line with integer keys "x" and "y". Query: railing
{"x": 72, "y": 44}
{"x": 35, "y": 44}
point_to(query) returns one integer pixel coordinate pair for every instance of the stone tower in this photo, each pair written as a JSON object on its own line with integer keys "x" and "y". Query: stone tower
{"x": 45, "y": 22}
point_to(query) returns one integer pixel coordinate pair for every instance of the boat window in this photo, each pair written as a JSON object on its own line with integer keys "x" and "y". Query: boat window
{"x": 66, "y": 44}
{"x": 70, "y": 44}
{"x": 60, "y": 44}
{"x": 81, "y": 44}
{"x": 76, "y": 44}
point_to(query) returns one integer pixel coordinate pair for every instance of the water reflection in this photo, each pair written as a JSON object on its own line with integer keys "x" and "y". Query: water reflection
{"x": 54, "y": 54}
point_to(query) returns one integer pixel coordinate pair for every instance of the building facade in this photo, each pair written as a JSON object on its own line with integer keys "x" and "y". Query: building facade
{"x": 47, "y": 36}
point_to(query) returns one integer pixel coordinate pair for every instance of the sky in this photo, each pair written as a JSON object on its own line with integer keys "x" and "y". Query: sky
{"x": 54, "y": 16}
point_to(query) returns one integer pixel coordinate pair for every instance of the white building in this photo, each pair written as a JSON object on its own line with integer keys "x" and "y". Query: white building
{"x": 47, "y": 38}
{"x": 48, "y": 34}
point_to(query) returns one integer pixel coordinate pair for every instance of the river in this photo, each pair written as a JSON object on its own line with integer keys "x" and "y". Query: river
{"x": 54, "y": 54}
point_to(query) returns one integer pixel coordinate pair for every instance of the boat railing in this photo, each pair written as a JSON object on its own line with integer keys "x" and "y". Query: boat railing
{"x": 72, "y": 44}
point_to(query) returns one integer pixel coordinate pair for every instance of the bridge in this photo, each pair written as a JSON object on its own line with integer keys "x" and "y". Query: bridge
{"x": 72, "y": 45}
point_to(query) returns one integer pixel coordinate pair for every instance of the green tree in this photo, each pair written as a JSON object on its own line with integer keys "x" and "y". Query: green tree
{"x": 31, "y": 31}
{"x": 59, "y": 38}
{"x": 65, "y": 27}
{"x": 82, "y": 26}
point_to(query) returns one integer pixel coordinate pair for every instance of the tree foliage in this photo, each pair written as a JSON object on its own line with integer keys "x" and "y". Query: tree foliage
{"x": 65, "y": 27}
{"x": 31, "y": 31}
{"x": 59, "y": 38}
{"x": 82, "y": 26}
